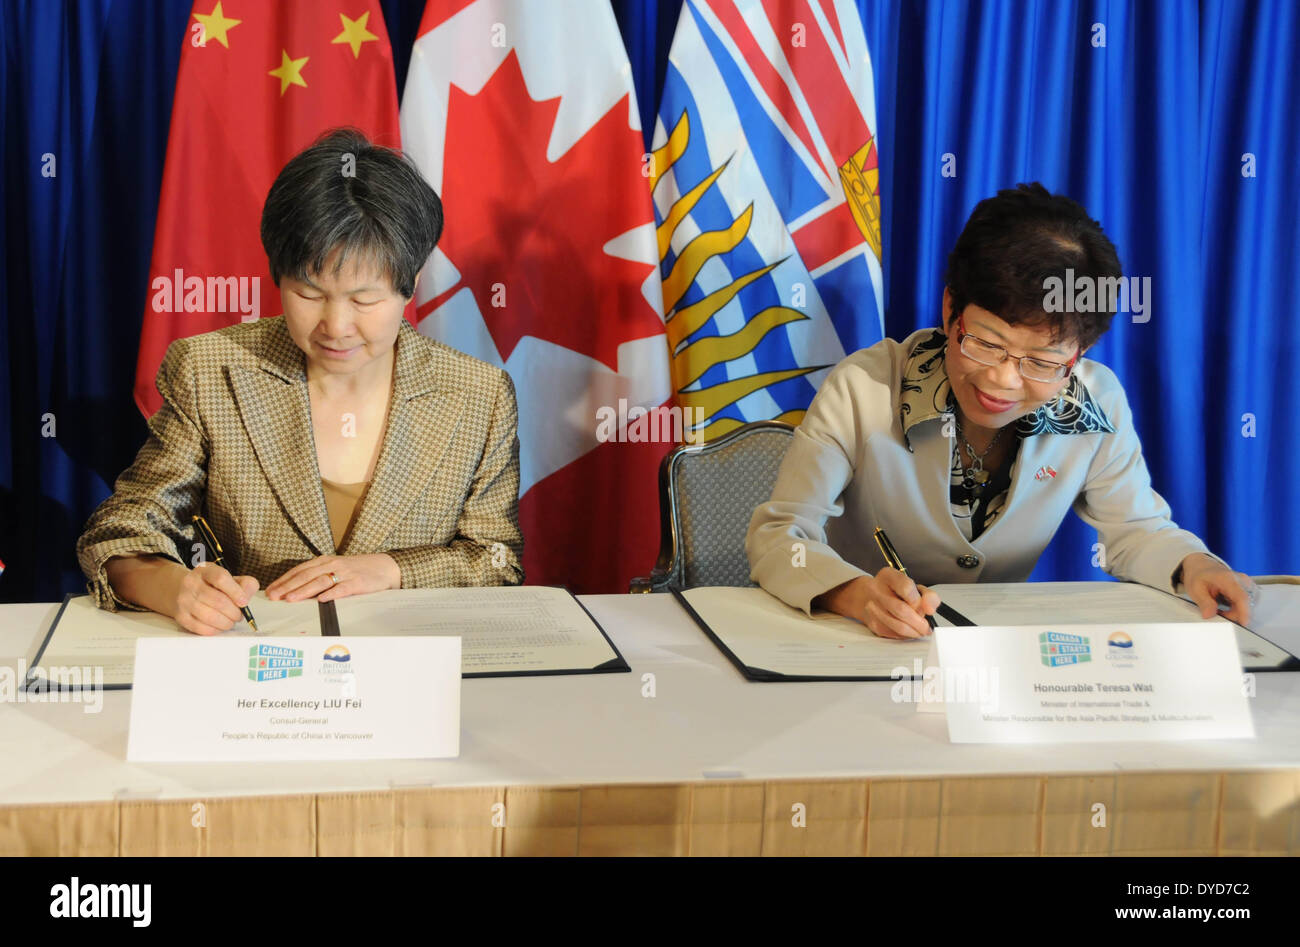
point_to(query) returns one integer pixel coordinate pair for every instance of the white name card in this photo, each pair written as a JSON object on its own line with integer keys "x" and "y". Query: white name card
{"x": 1092, "y": 683}
{"x": 249, "y": 699}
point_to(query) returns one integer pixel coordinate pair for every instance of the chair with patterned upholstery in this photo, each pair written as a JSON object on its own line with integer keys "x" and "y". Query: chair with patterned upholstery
{"x": 707, "y": 493}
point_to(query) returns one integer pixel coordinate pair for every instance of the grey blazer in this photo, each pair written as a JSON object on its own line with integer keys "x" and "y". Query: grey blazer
{"x": 233, "y": 441}
{"x": 858, "y": 461}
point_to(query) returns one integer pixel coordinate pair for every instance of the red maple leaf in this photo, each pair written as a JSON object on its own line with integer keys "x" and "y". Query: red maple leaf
{"x": 517, "y": 221}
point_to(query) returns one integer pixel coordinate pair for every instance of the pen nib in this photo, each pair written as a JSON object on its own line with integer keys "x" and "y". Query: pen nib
{"x": 252, "y": 624}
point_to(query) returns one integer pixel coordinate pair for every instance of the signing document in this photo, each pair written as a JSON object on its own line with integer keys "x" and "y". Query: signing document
{"x": 83, "y": 635}
{"x": 526, "y": 629}
{"x": 1036, "y": 603}
{"x": 505, "y": 631}
{"x": 768, "y": 640}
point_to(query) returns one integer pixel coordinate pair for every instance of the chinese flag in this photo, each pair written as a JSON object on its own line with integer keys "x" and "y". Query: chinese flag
{"x": 258, "y": 82}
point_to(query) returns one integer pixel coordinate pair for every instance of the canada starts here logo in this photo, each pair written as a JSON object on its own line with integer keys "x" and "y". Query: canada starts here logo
{"x": 268, "y": 662}
{"x": 1058, "y": 649}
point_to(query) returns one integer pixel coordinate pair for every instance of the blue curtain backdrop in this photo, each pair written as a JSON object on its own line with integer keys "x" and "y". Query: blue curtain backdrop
{"x": 1151, "y": 132}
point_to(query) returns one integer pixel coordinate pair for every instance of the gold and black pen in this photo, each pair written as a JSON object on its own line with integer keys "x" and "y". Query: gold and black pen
{"x": 891, "y": 558}
{"x": 210, "y": 540}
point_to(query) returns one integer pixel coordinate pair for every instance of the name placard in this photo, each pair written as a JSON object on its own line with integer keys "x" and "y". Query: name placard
{"x": 249, "y": 699}
{"x": 1092, "y": 683}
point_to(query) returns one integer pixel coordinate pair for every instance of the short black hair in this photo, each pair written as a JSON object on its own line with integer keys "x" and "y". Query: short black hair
{"x": 345, "y": 193}
{"x": 1017, "y": 239}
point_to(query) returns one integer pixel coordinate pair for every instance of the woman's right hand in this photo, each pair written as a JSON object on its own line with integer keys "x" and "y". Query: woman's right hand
{"x": 890, "y": 604}
{"x": 209, "y": 599}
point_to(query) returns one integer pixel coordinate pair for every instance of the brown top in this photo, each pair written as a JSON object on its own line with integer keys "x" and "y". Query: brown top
{"x": 341, "y": 502}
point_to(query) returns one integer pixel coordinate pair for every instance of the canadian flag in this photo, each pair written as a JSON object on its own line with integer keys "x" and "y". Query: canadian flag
{"x": 522, "y": 117}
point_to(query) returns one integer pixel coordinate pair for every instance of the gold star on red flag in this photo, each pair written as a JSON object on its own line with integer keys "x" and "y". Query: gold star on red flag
{"x": 355, "y": 33}
{"x": 289, "y": 72}
{"x": 216, "y": 25}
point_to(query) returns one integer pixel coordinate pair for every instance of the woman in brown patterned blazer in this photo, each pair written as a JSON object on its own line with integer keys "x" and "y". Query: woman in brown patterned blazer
{"x": 334, "y": 450}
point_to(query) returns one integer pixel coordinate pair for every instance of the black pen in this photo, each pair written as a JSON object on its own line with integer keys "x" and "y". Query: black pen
{"x": 891, "y": 558}
{"x": 210, "y": 540}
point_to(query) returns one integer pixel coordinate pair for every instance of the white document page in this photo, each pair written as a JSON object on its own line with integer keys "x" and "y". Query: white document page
{"x": 1277, "y": 614}
{"x": 1065, "y": 603}
{"x": 87, "y": 636}
{"x": 766, "y": 634}
{"x": 527, "y": 628}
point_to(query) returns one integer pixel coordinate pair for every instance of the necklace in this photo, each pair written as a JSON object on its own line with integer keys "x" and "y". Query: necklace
{"x": 975, "y": 477}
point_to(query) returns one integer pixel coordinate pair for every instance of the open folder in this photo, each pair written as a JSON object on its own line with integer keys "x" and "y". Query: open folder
{"x": 768, "y": 640}
{"x": 508, "y": 631}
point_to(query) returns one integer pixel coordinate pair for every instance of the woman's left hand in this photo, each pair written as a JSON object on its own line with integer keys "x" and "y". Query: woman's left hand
{"x": 356, "y": 575}
{"x": 1207, "y": 580}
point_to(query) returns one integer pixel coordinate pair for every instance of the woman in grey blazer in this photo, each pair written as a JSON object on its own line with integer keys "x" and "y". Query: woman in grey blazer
{"x": 334, "y": 450}
{"x": 969, "y": 444}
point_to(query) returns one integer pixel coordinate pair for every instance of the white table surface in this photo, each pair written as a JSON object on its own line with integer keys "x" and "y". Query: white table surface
{"x": 705, "y": 721}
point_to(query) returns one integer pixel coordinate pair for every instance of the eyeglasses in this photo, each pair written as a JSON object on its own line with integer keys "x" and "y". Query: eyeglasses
{"x": 989, "y": 353}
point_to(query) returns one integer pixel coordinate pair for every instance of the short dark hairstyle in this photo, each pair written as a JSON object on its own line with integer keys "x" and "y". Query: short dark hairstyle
{"x": 1017, "y": 239}
{"x": 345, "y": 193}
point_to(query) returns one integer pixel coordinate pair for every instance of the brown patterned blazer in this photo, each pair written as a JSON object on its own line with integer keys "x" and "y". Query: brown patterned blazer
{"x": 233, "y": 441}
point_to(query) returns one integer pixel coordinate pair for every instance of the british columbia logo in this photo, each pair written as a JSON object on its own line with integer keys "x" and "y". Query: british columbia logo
{"x": 336, "y": 665}
{"x": 1058, "y": 649}
{"x": 268, "y": 662}
{"x": 338, "y": 654}
{"x": 1119, "y": 647}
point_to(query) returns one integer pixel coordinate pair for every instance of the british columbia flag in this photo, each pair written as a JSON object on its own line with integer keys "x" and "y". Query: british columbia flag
{"x": 766, "y": 190}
